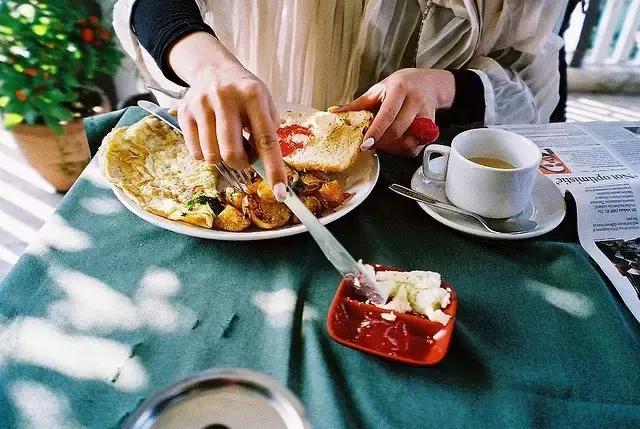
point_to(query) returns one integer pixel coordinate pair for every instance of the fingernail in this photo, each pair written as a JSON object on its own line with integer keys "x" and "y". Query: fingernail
{"x": 367, "y": 144}
{"x": 334, "y": 108}
{"x": 280, "y": 191}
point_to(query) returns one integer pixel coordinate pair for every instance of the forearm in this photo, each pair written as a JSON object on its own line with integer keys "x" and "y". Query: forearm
{"x": 161, "y": 24}
{"x": 197, "y": 52}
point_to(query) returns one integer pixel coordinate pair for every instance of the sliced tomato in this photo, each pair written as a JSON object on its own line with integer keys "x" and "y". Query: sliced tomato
{"x": 286, "y": 137}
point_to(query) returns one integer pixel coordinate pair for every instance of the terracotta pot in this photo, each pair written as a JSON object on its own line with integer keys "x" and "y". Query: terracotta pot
{"x": 58, "y": 159}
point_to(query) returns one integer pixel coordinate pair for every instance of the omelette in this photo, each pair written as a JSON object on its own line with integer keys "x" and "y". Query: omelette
{"x": 150, "y": 163}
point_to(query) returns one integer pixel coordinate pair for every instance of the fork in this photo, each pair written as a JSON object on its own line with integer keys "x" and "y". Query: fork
{"x": 241, "y": 178}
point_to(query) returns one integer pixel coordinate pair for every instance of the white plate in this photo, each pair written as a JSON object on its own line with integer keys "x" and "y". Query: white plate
{"x": 547, "y": 207}
{"x": 359, "y": 180}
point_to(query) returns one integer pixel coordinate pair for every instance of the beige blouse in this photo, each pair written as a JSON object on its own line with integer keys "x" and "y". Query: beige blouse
{"x": 324, "y": 52}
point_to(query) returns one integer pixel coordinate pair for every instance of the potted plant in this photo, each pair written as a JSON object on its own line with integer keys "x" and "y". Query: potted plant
{"x": 50, "y": 54}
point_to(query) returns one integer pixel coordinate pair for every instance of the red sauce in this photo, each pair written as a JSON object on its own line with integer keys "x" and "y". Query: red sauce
{"x": 361, "y": 324}
{"x": 285, "y": 137}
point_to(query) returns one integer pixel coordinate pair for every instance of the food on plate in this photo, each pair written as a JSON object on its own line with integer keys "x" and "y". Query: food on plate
{"x": 417, "y": 292}
{"x": 231, "y": 219}
{"x": 322, "y": 141}
{"x": 265, "y": 214}
{"x": 150, "y": 163}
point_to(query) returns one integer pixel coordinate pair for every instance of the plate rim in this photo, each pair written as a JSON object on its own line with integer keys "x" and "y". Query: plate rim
{"x": 491, "y": 235}
{"x": 267, "y": 234}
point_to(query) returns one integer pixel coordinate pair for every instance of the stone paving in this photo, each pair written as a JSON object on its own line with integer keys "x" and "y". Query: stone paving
{"x": 26, "y": 200}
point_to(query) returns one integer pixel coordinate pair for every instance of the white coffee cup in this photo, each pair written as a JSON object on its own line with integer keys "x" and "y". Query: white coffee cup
{"x": 488, "y": 191}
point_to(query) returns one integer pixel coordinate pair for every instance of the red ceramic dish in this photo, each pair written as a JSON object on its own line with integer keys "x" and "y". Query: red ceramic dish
{"x": 410, "y": 338}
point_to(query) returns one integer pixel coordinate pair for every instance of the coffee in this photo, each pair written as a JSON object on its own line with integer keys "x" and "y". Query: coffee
{"x": 488, "y": 161}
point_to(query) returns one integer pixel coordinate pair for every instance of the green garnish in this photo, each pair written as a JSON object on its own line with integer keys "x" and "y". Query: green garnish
{"x": 200, "y": 198}
{"x": 297, "y": 185}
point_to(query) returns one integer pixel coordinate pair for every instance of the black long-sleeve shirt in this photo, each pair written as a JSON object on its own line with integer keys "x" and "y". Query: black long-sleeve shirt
{"x": 161, "y": 23}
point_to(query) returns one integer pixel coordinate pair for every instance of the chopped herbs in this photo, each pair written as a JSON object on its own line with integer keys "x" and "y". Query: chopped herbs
{"x": 200, "y": 198}
{"x": 297, "y": 185}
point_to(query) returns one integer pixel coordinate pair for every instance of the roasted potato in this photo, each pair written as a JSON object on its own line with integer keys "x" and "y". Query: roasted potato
{"x": 332, "y": 193}
{"x": 310, "y": 184}
{"x": 231, "y": 219}
{"x": 234, "y": 196}
{"x": 265, "y": 193}
{"x": 265, "y": 214}
{"x": 253, "y": 186}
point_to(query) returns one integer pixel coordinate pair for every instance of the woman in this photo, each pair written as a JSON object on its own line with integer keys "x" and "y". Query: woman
{"x": 459, "y": 61}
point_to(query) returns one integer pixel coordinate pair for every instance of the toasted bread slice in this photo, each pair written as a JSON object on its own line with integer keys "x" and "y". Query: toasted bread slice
{"x": 334, "y": 143}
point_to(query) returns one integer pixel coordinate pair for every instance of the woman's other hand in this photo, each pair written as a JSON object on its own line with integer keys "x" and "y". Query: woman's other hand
{"x": 399, "y": 99}
{"x": 223, "y": 98}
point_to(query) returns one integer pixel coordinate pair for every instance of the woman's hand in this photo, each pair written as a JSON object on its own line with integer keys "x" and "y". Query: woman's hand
{"x": 400, "y": 98}
{"x": 223, "y": 98}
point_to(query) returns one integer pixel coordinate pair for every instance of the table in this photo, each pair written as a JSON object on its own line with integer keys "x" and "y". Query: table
{"x": 104, "y": 309}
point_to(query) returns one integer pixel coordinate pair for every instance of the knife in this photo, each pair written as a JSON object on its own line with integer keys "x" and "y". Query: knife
{"x": 330, "y": 246}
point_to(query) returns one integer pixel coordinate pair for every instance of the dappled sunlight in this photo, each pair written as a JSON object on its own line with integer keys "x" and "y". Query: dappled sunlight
{"x": 8, "y": 256}
{"x": 40, "y": 407}
{"x": 159, "y": 282}
{"x": 278, "y": 307}
{"x": 93, "y": 175}
{"x": 101, "y": 206}
{"x": 22, "y": 171}
{"x": 25, "y": 201}
{"x": 39, "y": 342}
{"x": 585, "y": 109}
{"x": 574, "y": 303}
{"x": 15, "y": 227}
{"x": 37, "y": 247}
{"x": 57, "y": 234}
{"x": 156, "y": 287}
{"x": 91, "y": 304}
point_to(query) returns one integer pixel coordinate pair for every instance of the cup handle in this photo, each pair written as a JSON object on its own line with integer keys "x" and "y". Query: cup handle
{"x": 426, "y": 167}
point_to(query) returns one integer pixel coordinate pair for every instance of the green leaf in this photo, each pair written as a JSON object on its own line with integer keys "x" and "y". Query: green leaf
{"x": 4, "y": 100}
{"x": 40, "y": 29}
{"x": 54, "y": 125}
{"x": 31, "y": 116}
{"x": 60, "y": 113}
{"x": 12, "y": 119}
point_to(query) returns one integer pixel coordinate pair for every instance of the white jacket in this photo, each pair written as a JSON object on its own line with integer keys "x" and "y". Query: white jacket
{"x": 323, "y": 52}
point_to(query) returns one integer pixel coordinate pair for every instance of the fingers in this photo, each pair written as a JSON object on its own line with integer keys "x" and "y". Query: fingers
{"x": 206, "y": 122}
{"x": 260, "y": 115}
{"x": 389, "y": 109}
{"x": 229, "y": 130}
{"x": 399, "y": 126}
{"x": 275, "y": 115}
{"x": 190, "y": 131}
{"x": 370, "y": 100}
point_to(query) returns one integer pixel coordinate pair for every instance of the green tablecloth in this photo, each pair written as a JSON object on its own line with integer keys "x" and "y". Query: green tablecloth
{"x": 107, "y": 308}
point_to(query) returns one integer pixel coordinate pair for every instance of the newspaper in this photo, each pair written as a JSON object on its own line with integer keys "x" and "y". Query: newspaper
{"x": 599, "y": 164}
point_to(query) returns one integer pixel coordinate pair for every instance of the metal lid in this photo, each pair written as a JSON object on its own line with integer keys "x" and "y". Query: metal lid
{"x": 221, "y": 399}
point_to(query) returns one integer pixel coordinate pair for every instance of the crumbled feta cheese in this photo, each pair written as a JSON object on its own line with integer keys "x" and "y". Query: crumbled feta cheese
{"x": 431, "y": 299}
{"x": 400, "y": 302}
{"x": 438, "y": 316}
{"x": 416, "y": 291}
{"x": 389, "y": 316}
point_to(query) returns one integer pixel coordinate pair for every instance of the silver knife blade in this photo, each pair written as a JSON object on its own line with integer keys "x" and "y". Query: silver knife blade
{"x": 333, "y": 250}
{"x": 161, "y": 114}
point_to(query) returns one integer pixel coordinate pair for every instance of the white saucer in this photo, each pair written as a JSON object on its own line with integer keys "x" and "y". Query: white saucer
{"x": 547, "y": 207}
